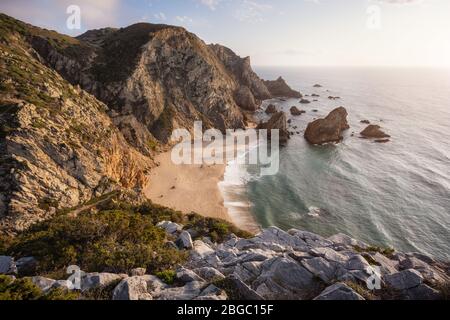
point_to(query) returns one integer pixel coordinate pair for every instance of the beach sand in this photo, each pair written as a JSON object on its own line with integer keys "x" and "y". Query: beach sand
{"x": 199, "y": 189}
{"x": 187, "y": 188}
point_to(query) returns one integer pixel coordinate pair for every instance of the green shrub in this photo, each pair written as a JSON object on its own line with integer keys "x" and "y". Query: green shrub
{"x": 217, "y": 229}
{"x": 114, "y": 241}
{"x": 167, "y": 276}
{"x": 60, "y": 294}
{"x": 384, "y": 251}
{"x": 21, "y": 289}
{"x": 25, "y": 289}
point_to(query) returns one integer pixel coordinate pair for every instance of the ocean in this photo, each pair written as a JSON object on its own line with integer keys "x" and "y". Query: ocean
{"x": 390, "y": 195}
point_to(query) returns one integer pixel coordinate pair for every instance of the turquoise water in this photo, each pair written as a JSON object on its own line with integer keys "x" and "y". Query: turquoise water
{"x": 395, "y": 194}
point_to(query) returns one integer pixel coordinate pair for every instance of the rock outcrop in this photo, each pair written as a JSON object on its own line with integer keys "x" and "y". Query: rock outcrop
{"x": 241, "y": 71}
{"x": 374, "y": 131}
{"x": 58, "y": 146}
{"x": 277, "y": 122}
{"x": 271, "y": 109}
{"x": 279, "y": 88}
{"x": 296, "y": 111}
{"x": 328, "y": 130}
{"x": 276, "y": 265}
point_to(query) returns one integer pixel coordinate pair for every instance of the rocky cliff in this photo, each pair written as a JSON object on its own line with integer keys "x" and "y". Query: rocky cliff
{"x": 251, "y": 90}
{"x": 59, "y": 148}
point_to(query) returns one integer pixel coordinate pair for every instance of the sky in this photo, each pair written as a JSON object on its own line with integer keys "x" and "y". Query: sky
{"x": 277, "y": 33}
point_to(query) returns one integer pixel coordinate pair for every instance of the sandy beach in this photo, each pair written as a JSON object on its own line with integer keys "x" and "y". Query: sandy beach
{"x": 187, "y": 188}
{"x": 197, "y": 188}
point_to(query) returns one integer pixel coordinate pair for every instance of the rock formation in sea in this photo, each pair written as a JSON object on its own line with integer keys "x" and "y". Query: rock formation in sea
{"x": 279, "y": 88}
{"x": 375, "y": 132}
{"x": 296, "y": 111}
{"x": 328, "y": 130}
{"x": 271, "y": 109}
{"x": 277, "y": 122}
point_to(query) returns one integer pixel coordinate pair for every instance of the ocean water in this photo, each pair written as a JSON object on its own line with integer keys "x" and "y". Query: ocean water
{"x": 392, "y": 195}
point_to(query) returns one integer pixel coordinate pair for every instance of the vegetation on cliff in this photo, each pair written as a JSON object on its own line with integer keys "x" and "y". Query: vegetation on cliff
{"x": 113, "y": 236}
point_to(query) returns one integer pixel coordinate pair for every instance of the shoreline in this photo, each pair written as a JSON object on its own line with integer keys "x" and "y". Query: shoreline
{"x": 202, "y": 189}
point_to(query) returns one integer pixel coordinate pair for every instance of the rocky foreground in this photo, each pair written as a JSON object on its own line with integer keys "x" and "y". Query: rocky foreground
{"x": 274, "y": 265}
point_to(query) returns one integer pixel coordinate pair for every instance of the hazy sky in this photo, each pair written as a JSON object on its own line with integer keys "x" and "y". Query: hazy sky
{"x": 282, "y": 32}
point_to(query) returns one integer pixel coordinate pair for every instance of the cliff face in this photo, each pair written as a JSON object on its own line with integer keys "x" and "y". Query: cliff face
{"x": 251, "y": 88}
{"x": 155, "y": 78}
{"x": 59, "y": 148}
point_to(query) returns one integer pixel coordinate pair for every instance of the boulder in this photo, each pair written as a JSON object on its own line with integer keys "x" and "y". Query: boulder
{"x": 365, "y": 121}
{"x": 274, "y": 235}
{"x": 138, "y": 272}
{"x": 26, "y": 266}
{"x": 357, "y": 262}
{"x": 340, "y": 292}
{"x": 186, "y": 276}
{"x": 7, "y": 265}
{"x": 404, "y": 280}
{"x": 212, "y": 293}
{"x": 45, "y": 284}
{"x": 296, "y": 112}
{"x": 201, "y": 250}
{"x": 209, "y": 274}
{"x": 277, "y": 122}
{"x": 244, "y": 98}
{"x": 279, "y": 88}
{"x": 387, "y": 266}
{"x": 98, "y": 280}
{"x": 317, "y": 86}
{"x": 170, "y": 227}
{"x": 284, "y": 278}
{"x": 305, "y": 101}
{"x": 188, "y": 292}
{"x": 185, "y": 240}
{"x": 132, "y": 288}
{"x": 271, "y": 109}
{"x": 345, "y": 240}
{"x": 243, "y": 291}
{"x": 421, "y": 292}
{"x": 330, "y": 255}
{"x": 374, "y": 131}
{"x": 329, "y": 129}
{"x": 321, "y": 268}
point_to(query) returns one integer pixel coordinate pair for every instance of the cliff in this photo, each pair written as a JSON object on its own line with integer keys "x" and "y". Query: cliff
{"x": 59, "y": 148}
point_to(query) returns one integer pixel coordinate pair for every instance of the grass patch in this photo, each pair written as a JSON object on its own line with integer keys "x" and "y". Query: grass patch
{"x": 25, "y": 289}
{"x": 218, "y": 230}
{"x": 374, "y": 249}
{"x": 167, "y": 276}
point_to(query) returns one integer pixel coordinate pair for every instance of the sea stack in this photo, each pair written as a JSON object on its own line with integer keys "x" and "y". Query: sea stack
{"x": 374, "y": 132}
{"x": 296, "y": 112}
{"x": 277, "y": 122}
{"x": 329, "y": 129}
{"x": 279, "y": 88}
